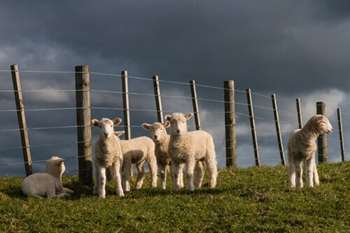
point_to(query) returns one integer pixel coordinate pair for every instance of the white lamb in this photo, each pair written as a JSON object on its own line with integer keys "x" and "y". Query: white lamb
{"x": 161, "y": 138}
{"x": 187, "y": 148}
{"x": 108, "y": 154}
{"x": 47, "y": 184}
{"x": 138, "y": 151}
{"x": 301, "y": 149}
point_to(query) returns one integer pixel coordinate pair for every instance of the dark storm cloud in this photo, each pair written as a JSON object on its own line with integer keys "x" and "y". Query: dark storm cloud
{"x": 264, "y": 46}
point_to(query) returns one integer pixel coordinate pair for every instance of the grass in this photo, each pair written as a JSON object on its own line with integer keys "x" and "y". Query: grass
{"x": 246, "y": 200}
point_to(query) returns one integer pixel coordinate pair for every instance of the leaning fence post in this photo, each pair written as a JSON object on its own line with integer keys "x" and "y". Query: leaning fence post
{"x": 300, "y": 117}
{"x": 83, "y": 114}
{"x": 341, "y": 136}
{"x": 278, "y": 128}
{"x": 126, "y": 109}
{"x": 158, "y": 99}
{"x": 230, "y": 124}
{"x": 322, "y": 140}
{"x": 22, "y": 124}
{"x": 252, "y": 126}
{"x": 195, "y": 104}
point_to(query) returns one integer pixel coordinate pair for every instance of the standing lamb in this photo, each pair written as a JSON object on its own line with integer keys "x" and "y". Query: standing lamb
{"x": 47, "y": 184}
{"x": 187, "y": 148}
{"x": 161, "y": 138}
{"x": 108, "y": 153}
{"x": 302, "y": 148}
{"x": 138, "y": 151}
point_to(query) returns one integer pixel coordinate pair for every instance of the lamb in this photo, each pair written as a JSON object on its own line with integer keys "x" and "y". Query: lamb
{"x": 188, "y": 148}
{"x": 301, "y": 149}
{"x": 138, "y": 151}
{"x": 47, "y": 184}
{"x": 108, "y": 154}
{"x": 161, "y": 139}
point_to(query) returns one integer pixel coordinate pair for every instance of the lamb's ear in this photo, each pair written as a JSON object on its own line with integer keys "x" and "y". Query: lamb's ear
{"x": 188, "y": 116}
{"x": 95, "y": 122}
{"x": 167, "y": 117}
{"x": 117, "y": 121}
{"x": 166, "y": 124}
{"x": 119, "y": 133}
{"x": 60, "y": 163}
{"x": 146, "y": 126}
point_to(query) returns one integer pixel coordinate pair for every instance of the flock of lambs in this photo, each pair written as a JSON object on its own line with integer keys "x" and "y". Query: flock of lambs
{"x": 177, "y": 150}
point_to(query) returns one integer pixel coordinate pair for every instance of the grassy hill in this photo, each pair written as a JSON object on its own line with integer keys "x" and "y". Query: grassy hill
{"x": 246, "y": 200}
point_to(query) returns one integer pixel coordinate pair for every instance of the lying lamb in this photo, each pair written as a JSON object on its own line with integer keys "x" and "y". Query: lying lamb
{"x": 161, "y": 138}
{"x": 138, "y": 151}
{"x": 47, "y": 184}
{"x": 108, "y": 153}
{"x": 189, "y": 148}
{"x": 302, "y": 147}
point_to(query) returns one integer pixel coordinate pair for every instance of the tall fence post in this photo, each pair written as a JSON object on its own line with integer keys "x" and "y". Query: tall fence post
{"x": 22, "y": 124}
{"x": 341, "y": 136}
{"x": 125, "y": 86}
{"x": 322, "y": 140}
{"x": 252, "y": 126}
{"x": 158, "y": 99}
{"x": 83, "y": 114}
{"x": 195, "y": 104}
{"x": 278, "y": 128}
{"x": 300, "y": 117}
{"x": 230, "y": 124}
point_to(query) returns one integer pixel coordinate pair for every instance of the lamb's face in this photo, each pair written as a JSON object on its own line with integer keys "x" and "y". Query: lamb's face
{"x": 106, "y": 125}
{"x": 323, "y": 125}
{"x": 178, "y": 123}
{"x": 157, "y": 130}
{"x": 55, "y": 165}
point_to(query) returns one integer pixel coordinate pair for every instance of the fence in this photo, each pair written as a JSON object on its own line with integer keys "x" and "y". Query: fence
{"x": 83, "y": 108}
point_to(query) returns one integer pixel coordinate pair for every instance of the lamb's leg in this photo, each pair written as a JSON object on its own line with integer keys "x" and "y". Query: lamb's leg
{"x": 175, "y": 169}
{"x": 212, "y": 172}
{"x": 190, "y": 172}
{"x": 162, "y": 171}
{"x": 299, "y": 174}
{"x": 309, "y": 173}
{"x": 316, "y": 177}
{"x": 126, "y": 170}
{"x": 152, "y": 164}
{"x": 198, "y": 174}
{"x": 292, "y": 174}
{"x": 101, "y": 182}
{"x": 118, "y": 180}
{"x": 181, "y": 175}
{"x": 140, "y": 175}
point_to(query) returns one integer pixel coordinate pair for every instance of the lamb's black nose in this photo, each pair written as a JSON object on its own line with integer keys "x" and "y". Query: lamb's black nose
{"x": 178, "y": 131}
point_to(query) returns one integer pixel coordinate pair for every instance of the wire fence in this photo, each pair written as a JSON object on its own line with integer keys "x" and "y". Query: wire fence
{"x": 242, "y": 115}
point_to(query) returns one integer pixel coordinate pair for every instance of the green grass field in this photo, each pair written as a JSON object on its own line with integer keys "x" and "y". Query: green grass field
{"x": 246, "y": 200}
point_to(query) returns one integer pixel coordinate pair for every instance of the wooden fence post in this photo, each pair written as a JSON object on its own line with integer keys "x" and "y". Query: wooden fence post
{"x": 195, "y": 104}
{"x": 252, "y": 126}
{"x": 230, "y": 124}
{"x": 341, "y": 136}
{"x": 83, "y": 114}
{"x": 278, "y": 128}
{"x": 322, "y": 140}
{"x": 22, "y": 124}
{"x": 158, "y": 99}
{"x": 300, "y": 117}
{"x": 125, "y": 86}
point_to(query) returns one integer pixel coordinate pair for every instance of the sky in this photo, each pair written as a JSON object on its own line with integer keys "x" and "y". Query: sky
{"x": 292, "y": 48}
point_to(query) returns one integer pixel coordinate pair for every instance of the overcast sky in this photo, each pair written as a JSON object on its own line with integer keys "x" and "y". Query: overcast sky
{"x": 293, "y": 48}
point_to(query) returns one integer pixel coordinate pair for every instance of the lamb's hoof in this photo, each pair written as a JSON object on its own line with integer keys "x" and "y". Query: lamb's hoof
{"x": 102, "y": 196}
{"x": 121, "y": 195}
